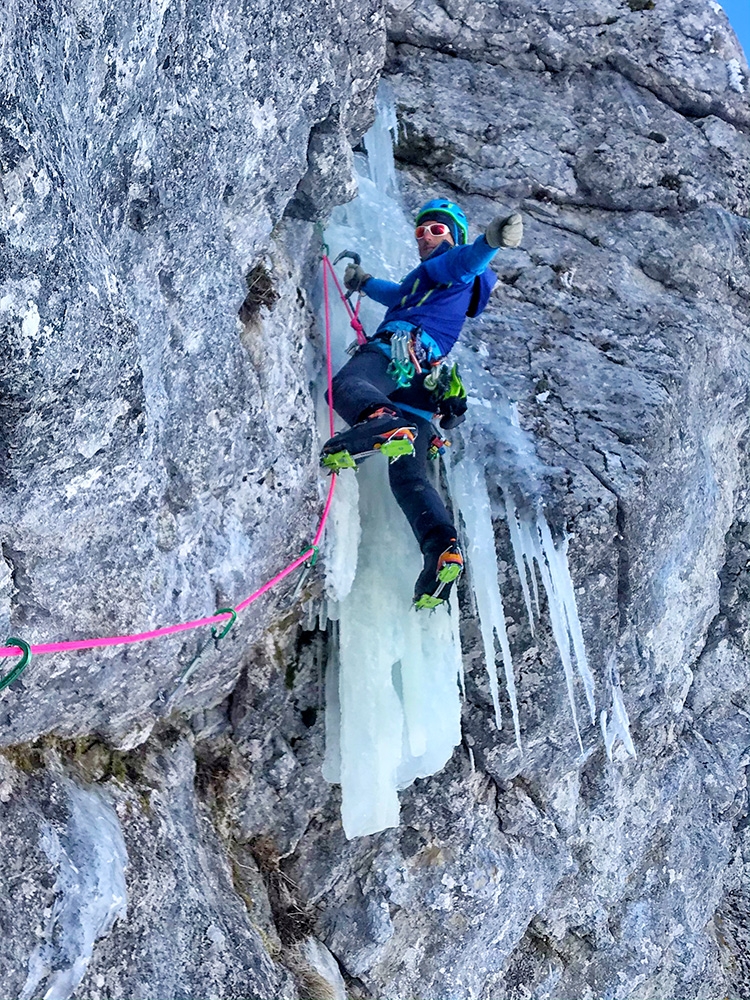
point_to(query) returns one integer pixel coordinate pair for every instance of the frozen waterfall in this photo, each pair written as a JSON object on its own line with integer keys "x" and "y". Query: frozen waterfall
{"x": 394, "y": 678}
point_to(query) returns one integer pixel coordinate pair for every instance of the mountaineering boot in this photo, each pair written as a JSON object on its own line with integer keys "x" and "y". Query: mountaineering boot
{"x": 382, "y": 432}
{"x": 443, "y": 564}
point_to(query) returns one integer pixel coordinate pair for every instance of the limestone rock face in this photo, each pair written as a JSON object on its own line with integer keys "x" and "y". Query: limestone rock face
{"x": 161, "y": 171}
{"x": 158, "y": 452}
{"x": 148, "y": 152}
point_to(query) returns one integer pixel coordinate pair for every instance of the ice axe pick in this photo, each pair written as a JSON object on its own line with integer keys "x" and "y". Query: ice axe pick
{"x": 356, "y": 259}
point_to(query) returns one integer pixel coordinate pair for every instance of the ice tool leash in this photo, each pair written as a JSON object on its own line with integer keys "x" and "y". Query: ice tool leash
{"x": 224, "y": 616}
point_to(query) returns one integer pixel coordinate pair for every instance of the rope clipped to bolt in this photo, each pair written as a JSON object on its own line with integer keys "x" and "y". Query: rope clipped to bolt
{"x": 15, "y": 646}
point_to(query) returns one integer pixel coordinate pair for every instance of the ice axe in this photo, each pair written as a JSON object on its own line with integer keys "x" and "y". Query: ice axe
{"x": 356, "y": 259}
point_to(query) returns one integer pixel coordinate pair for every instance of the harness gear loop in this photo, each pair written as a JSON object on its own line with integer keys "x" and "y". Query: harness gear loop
{"x": 224, "y": 611}
{"x": 19, "y": 668}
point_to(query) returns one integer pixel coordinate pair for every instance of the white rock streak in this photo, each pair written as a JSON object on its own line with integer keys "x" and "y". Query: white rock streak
{"x": 89, "y": 859}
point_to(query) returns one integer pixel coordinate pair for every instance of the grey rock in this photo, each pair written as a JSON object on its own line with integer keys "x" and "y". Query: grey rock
{"x": 182, "y": 901}
{"x": 159, "y": 187}
{"x": 146, "y": 432}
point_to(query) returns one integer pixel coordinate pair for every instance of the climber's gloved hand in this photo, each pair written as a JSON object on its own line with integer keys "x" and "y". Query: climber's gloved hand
{"x": 452, "y": 411}
{"x": 355, "y": 277}
{"x": 505, "y": 231}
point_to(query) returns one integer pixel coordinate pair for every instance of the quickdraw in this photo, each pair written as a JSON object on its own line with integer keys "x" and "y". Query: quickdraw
{"x": 402, "y": 368}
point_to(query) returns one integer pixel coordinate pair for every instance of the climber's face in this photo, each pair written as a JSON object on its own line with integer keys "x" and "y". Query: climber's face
{"x": 430, "y": 235}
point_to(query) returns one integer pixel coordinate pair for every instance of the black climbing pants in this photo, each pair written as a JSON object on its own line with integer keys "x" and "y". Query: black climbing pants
{"x": 363, "y": 385}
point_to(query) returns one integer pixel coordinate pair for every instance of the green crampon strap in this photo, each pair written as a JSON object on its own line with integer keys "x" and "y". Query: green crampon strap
{"x": 337, "y": 461}
{"x": 402, "y": 373}
{"x": 450, "y": 572}
{"x": 396, "y": 448}
{"x": 428, "y": 603}
{"x": 22, "y": 663}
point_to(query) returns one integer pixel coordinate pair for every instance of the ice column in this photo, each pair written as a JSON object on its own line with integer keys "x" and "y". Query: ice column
{"x": 393, "y": 700}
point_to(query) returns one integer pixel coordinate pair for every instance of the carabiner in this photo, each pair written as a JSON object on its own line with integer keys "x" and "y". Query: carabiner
{"x": 224, "y": 611}
{"x": 21, "y": 665}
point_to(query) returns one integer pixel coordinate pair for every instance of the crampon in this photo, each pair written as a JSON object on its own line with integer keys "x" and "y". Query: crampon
{"x": 382, "y": 433}
{"x": 441, "y": 570}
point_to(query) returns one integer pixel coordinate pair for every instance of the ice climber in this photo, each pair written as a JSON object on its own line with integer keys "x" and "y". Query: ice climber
{"x": 398, "y": 383}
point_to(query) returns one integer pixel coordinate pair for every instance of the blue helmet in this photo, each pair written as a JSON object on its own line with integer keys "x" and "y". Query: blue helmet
{"x": 441, "y": 210}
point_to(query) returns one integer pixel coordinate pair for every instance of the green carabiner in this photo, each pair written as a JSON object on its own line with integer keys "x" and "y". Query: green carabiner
{"x": 21, "y": 665}
{"x": 314, "y": 557}
{"x": 224, "y": 611}
{"x": 402, "y": 373}
{"x": 321, "y": 233}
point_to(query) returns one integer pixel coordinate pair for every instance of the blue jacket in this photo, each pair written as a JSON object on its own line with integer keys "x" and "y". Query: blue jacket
{"x": 437, "y": 294}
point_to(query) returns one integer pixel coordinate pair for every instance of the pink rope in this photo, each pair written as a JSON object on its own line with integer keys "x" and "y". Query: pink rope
{"x": 353, "y": 313}
{"x": 122, "y": 640}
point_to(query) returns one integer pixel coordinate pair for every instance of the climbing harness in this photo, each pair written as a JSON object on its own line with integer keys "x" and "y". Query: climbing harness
{"x": 224, "y": 616}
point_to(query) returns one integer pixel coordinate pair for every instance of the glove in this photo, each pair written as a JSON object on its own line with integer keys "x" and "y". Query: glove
{"x": 505, "y": 232}
{"x": 452, "y": 411}
{"x": 355, "y": 277}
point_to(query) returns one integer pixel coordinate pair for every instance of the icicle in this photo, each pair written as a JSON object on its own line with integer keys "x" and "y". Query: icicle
{"x": 619, "y": 727}
{"x": 456, "y": 635}
{"x": 332, "y": 759}
{"x": 89, "y": 859}
{"x": 342, "y": 539}
{"x": 524, "y": 565}
{"x": 379, "y": 143}
{"x": 563, "y": 587}
{"x": 527, "y": 531}
{"x": 469, "y": 492}
{"x": 559, "y": 625}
